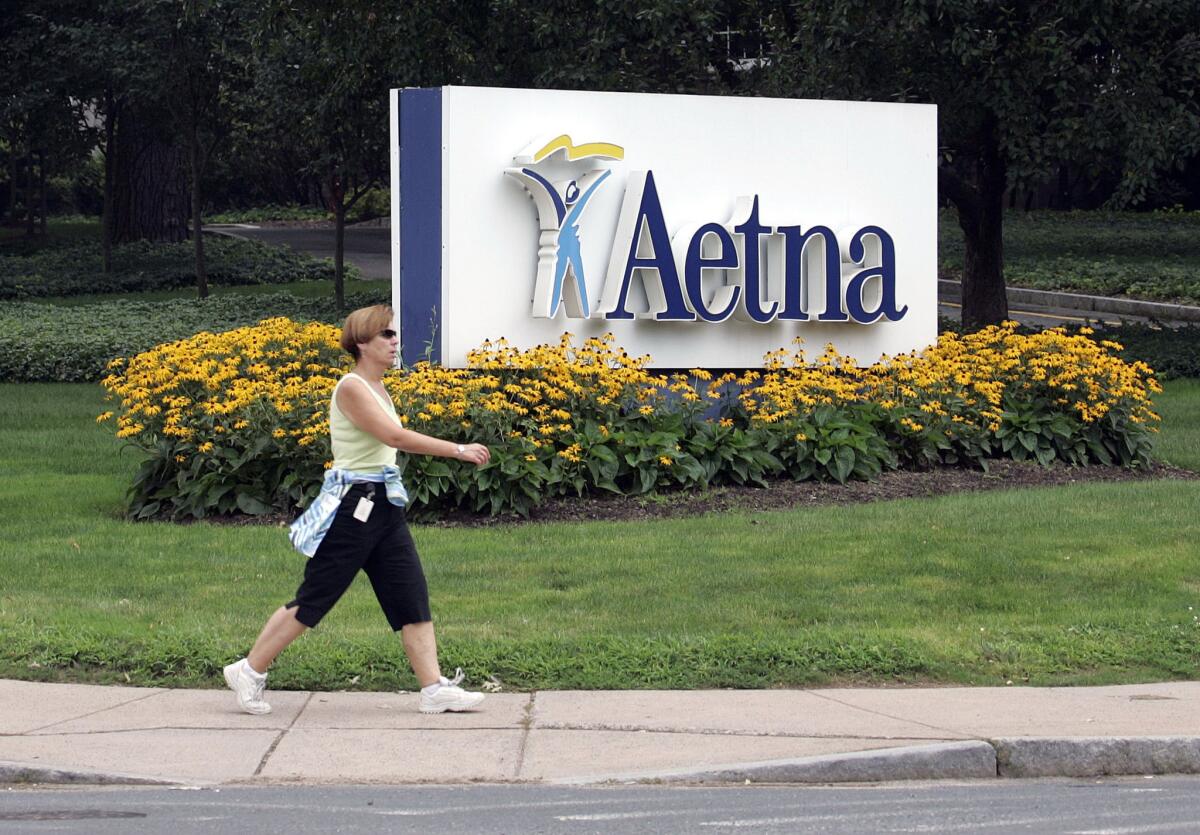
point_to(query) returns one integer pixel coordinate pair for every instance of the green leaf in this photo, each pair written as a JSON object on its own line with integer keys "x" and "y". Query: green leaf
{"x": 249, "y": 504}
{"x": 843, "y": 463}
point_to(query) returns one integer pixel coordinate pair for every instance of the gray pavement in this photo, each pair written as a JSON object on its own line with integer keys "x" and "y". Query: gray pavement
{"x": 1042, "y": 308}
{"x": 63, "y": 733}
{"x": 368, "y": 247}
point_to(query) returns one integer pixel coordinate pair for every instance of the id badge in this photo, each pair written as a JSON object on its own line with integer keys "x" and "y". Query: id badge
{"x": 364, "y": 508}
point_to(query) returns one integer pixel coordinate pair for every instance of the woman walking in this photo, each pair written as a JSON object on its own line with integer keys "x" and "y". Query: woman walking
{"x": 358, "y": 522}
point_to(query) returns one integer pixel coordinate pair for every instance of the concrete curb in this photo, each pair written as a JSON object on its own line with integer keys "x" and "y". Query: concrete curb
{"x": 969, "y": 759}
{"x": 1097, "y": 756}
{"x": 1008, "y": 757}
{"x": 1002, "y": 757}
{"x": 22, "y": 773}
{"x": 952, "y": 291}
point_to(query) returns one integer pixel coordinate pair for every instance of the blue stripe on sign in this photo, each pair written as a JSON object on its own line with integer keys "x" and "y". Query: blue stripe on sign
{"x": 420, "y": 130}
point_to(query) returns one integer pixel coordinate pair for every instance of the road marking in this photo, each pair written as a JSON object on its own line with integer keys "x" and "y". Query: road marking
{"x": 1053, "y": 316}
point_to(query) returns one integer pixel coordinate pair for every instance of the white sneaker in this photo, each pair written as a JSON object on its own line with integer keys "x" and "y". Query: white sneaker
{"x": 249, "y": 687}
{"x": 450, "y": 697}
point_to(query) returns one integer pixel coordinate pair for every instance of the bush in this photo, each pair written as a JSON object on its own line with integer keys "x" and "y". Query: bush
{"x": 231, "y": 421}
{"x": 238, "y": 421}
{"x": 375, "y": 203}
{"x": 1171, "y": 351}
{"x": 76, "y": 268}
{"x": 49, "y": 343}
{"x": 262, "y": 214}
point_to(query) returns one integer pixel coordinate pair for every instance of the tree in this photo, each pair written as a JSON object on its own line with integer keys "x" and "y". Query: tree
{"x": 206, "y": 47}
{"x": 42, "y": 123}
{"x": 1021, "y": 87}
{"x": 665, "y": 46}
{"x": 111, "y": 53}
{"x": 323, "y": 73}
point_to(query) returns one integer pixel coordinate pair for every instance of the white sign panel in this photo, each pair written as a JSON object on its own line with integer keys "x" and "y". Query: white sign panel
{"x": 703, "y": 231}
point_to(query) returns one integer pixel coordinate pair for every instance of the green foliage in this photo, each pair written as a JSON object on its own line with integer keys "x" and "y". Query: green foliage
{"x": 1171, "y": 351}
{"x": 376, "y": 203}
{"x": 259, "y": 214}
{"x": 48, "y": 343}
{"x": 832, "y": 442}
{"x": 1033, "y": 429}
{"x": 1143, "y": 255}
{"x": 76, "y": 268}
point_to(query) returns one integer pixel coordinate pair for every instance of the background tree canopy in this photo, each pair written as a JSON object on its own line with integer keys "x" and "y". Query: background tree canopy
{"x": 199, "y": 104}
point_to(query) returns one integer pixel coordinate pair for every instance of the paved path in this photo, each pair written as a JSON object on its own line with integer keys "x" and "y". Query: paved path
{"x": 367, "y": 247}
{"x": 85, "y": 733}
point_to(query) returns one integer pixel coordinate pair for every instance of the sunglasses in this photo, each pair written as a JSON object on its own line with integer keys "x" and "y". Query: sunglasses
{"x": 388, "y": 333}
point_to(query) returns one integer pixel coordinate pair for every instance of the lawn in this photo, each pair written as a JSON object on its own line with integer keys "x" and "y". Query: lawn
{"x": 1081, "y": 584}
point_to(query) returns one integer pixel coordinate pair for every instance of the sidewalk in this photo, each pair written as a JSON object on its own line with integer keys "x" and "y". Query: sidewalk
{"x": 85, "y": 733}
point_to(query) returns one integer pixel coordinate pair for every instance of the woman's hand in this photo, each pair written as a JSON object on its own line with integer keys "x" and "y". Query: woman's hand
{"x": 476, "y": 454}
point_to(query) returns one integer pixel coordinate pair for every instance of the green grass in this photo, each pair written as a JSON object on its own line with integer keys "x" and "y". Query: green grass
{"x": 1179, "y": 406}
{"x": 1083, "y": 584}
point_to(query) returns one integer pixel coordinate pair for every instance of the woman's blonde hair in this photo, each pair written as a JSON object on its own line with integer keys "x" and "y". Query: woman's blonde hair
{"x": 363, "y": 325}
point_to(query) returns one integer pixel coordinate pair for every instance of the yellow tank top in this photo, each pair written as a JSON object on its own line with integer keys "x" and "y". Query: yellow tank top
{"x": 354, "y": 449}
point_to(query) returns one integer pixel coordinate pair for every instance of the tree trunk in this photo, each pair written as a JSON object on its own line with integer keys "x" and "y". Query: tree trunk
{"x": 197, "y": 203}
{"x": 150, "y": 200}
{"x": 335, "y": 199}
{"x": 106, "y": 231}
{"x": 45, "y": 202}
{"x": 984, "y": 301}
{"x": 339, "y": 255}
{"x": 30, "y": 219}
{"x": 10, "y": 214}
{"x": 980, "y": 205}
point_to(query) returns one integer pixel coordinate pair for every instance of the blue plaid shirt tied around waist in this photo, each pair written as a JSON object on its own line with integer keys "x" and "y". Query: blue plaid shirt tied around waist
{"x": 307, "y": 532}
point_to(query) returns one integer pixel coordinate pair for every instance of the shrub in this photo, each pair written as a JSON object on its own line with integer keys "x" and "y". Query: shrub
{"x": 49, "y": 343}
{"x": 375, "y": 203}
{"x": 239, "y": 420}
{"x": 1170, "y": 351}
{"x": 271, "y": 212}
{"x": 231, "y": 420}
{"x": 76, "y": 268}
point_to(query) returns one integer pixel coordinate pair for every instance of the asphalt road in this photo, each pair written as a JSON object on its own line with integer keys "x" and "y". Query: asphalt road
{"x": 367, "y": 247}
{"x": 1129, "y": 805}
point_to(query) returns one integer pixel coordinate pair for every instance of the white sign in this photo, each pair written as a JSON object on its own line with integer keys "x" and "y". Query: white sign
{"x": 703, "y": 231}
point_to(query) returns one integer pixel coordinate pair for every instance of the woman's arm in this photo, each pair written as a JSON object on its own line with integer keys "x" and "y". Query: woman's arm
{"x": 364, "y": 411}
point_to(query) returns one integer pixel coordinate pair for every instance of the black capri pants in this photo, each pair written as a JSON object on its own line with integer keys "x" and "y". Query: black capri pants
{"x": 381, "y": 546}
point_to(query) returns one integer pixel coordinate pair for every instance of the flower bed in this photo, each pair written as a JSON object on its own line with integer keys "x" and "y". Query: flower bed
{"x": 238, "y": 421}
